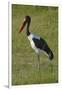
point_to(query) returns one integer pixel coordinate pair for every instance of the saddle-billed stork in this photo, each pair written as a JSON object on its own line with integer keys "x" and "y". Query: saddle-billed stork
{"x": 37, "y": 43}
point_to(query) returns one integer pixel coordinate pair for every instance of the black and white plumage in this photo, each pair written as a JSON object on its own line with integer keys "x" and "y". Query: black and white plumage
{"x": 37, "y": 43}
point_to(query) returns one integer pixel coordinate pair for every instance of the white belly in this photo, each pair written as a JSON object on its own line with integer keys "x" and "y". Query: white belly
{"x": 32, "y": 43}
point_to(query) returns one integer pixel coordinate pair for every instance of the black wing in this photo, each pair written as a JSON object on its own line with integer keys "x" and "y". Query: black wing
{"x": 42, "y": 45}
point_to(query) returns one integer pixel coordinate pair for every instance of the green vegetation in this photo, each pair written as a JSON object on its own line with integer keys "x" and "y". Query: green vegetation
{"x": 45, "y": 24}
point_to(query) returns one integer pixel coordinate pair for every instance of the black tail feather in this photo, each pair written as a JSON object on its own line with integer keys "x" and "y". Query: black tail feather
{"x": 51, "y": 55}
{"x": 48, "y": 51}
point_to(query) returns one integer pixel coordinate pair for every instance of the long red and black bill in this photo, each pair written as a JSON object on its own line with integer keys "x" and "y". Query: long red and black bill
{"x": 23, "y": 25}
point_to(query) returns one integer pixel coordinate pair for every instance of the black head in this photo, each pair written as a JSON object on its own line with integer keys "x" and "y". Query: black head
{"x": 27, "y": 18}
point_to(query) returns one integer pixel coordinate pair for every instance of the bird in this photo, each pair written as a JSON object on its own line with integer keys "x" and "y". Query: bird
{"x": 37, "y": 43}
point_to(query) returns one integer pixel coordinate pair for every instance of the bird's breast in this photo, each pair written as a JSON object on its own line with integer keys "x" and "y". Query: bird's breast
{"x": 31, "y": 41}
{"x": 30, "y": 38}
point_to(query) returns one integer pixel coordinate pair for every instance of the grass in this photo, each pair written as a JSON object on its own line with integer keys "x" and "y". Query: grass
{"x": 45, "y": 24}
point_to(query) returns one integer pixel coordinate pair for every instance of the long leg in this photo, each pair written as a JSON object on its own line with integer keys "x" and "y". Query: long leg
{"x": 38, "y": 56}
